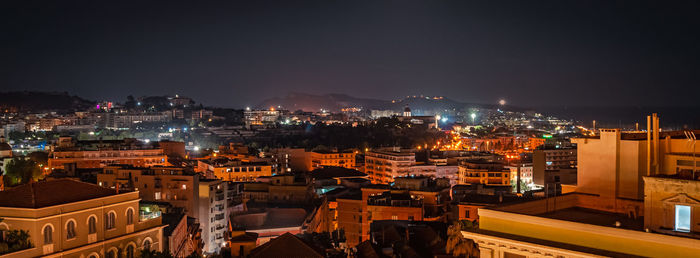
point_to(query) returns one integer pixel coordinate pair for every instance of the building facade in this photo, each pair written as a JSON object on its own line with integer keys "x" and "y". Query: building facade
{"x": 87, "y": 221}
{"x": 383, "y": 166}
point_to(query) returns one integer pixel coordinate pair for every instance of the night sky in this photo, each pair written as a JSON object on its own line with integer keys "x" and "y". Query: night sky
{"x": 233, "y": 54}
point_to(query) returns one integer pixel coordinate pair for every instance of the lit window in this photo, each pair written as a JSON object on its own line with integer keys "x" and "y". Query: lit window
{"x": 157, "y": 195}
{"x": 184, "y": 187}
{"x": 394, "y": 217}
{"x": 682, "y": 218}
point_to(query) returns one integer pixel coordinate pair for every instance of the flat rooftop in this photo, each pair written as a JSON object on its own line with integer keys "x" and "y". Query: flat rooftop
{"x": 596, "y": 217}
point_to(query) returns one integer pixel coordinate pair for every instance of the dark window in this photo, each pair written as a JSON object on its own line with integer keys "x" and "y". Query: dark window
{"x": 70, "y": 230}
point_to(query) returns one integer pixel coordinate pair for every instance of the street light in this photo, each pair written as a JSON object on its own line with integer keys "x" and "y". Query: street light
{"x": 473, "y": 115}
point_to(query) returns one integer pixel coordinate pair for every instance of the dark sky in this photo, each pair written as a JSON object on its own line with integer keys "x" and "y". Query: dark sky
{"x": 231, "y": 53}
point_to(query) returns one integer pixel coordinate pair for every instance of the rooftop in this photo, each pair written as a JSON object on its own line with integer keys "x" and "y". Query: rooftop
{"x": 286, "y": 245}
{"x": 46, "y": 193}
{"x": 596, "y": 217}
{"x": 335, "y": 172}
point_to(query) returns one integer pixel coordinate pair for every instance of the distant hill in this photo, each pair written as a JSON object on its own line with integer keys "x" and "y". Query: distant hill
{"x": 42, "y": 101}
{"x": 334, "y": 102}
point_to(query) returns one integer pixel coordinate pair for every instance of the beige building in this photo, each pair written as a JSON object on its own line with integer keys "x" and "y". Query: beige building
{"x": 612, "y": 164}
{"x": 384, "y": 165}
{"x": 67, "y": 153}
{"x": 320, "y": 159}
{"x": 570, "y": 226}
{"x": 234, "y": 170}
{"x": 174, "y": 185}
{"x": 672, "y": 205}
{"x": 67, "y": 218}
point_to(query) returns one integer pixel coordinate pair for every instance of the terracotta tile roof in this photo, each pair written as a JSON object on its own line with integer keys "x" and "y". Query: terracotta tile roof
{"x": 50, "y": 193}
{"x": 286, "y": 245}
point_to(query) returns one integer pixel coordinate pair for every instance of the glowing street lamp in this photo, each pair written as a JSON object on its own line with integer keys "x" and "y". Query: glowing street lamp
{"x": 473, "y": 115}
{"x": 502, "y": 102}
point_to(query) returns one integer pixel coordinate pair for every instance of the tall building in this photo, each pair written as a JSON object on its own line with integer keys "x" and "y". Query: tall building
{"x": 213, "y": 214}
{"x": 74, "y": 219}
{"x": 384, "y": 165}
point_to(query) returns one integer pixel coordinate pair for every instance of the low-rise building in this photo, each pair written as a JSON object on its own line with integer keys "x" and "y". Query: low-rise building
{"x": 67, "y": 153}
{"x": 175, "y": 185}
{"x": 235, "y": 170}
{"x": 483, "y": 172}
{"x": 320, "y": 159}
{"x": 69, "y": 218}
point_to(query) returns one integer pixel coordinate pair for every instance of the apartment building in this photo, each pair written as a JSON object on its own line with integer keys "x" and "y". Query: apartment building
{"x": 213, "y": 214}
{"x": 384, "y": 165}
{"x": 67, "y": 153}
{"x": 175, "y": 185}
{"x": 412, "y": 198}
{"x": 484, "y": 172}
{"x": 320, "y": 159}
{"x": 235, "y": 170}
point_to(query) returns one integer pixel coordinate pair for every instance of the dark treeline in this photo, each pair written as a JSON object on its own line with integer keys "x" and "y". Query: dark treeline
{"x": 384, "y": 132}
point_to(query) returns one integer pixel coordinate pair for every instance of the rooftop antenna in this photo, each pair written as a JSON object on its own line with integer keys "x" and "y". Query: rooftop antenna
{"x": 690, "y": 135}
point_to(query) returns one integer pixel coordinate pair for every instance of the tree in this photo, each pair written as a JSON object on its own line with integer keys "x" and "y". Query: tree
{"x": 459, "y": 246}
{"x": 20, "y": 171}
{"x": 15, "y": 240}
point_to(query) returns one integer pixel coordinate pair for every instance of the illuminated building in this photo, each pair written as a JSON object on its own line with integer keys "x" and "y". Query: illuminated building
{"x": 234, "y": 170}
{"x": 375, "y": 114}
{"x": 534, "y": 142}
{"x": 290, "y": 159}
{"x": 612, "y": 164}
{"x": 554, "y": 166}
{"x": 287, "y": 188}
{"x": 128, "y": 120}
{"x": 67, "y": 218}
{"x": 174, "y": 185}
{"x": 100, "y": 153}
{"x": 213, "y": 213}
{"x": 241, "y": 242}
{"x": 526, "y": 172}
{"x": 320, "y": 159}
{"x": 384, "y": 165}
{"x": 570, "y": 225}
{"x": 261, "y": 117}
{"x": 483, "y": 172}
{"x": 412, "y": 198}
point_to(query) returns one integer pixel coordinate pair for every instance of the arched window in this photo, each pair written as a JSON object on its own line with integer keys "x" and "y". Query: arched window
{"x": 94, "y": 255}
{"x": 110, "y": 220}
{"x": 147, "y": 244}
{"x": 112, "y": 253}
{"x": 92, "y": 225}
{"x": 130, "y": 251}
{"x": 130, "y": 216}
{"x": 48, "y": 234}
{"x": 70, "y": 229}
